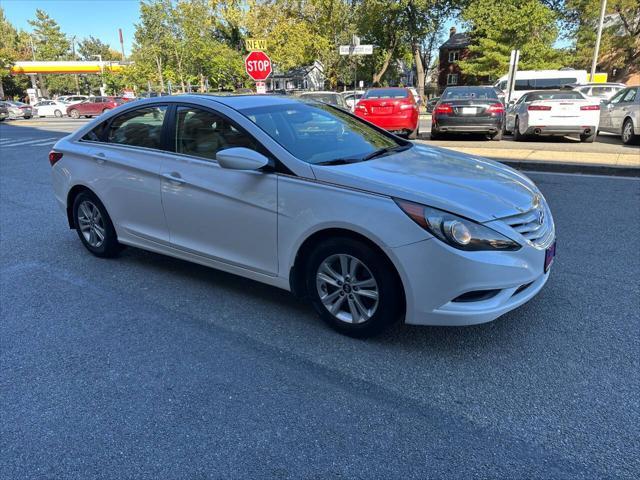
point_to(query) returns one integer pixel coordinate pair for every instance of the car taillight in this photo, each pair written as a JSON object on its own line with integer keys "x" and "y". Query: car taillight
{"x": 590, "y": 107}
{"x": 443, "y": 108}
{"x": 538, "y": 107}
{"x": 496, "y": 108}
{"x": 54, "y": 157}
{"x": 407, "y": 106}
{"x": 362, "y": 108}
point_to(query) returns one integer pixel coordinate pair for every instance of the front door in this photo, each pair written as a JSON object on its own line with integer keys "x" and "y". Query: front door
{"x": 226, "y": 215}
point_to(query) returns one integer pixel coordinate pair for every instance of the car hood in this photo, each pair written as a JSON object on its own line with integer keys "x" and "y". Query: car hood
{"x": 470, "y": 186}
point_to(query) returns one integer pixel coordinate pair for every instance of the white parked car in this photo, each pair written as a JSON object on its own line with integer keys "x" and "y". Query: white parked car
{"x": 72, "y": 99}
{"x": 600, "y": 91}
{"x": 50, "y": 108}
{"x": 553, "y": 112}
{"x": 305, "y": 196}
{"x": 535, "y": 80}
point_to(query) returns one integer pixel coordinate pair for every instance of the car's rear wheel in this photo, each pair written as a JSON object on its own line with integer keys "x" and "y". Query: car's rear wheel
{"x": 435, "y": 134}
{"x": 588, "y": 138}
{"x": 517, "y": 136}
{"x": 497, "y": 136}
{"x": 94, "y": 226}
{"x": 74, "y": 113}
{"x": 58, "y": 113}
{"x": 628, "y": 133}
{"x": 353, "y": 288}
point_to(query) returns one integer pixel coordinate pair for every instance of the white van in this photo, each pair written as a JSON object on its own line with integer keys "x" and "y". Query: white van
{"x": 529, "y": 80}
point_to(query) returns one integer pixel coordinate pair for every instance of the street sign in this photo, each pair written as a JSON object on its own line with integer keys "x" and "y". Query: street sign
{"x": 261, "y": 88}
{"x": 356, "y": 49}
{"x": 255, "y": 44}
{"x": 258, "y": 66}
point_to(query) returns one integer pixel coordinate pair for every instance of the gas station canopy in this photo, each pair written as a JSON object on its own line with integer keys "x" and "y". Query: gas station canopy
{"x": 31, "y": 68}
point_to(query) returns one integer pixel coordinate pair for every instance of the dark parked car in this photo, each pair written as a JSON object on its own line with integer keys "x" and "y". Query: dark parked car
{"x": 94, "y": 106}
{"x": 431, "y": 104}
{"x": 468, "y": 110}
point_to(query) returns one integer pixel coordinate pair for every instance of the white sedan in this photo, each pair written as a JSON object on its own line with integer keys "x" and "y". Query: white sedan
{"x": 553, "y": 112}
{"x": 305, "y": 196}
{"x": 50, "y": 108}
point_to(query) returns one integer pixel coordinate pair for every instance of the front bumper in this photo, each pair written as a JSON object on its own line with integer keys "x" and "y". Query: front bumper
{"x": 435, "y": 276}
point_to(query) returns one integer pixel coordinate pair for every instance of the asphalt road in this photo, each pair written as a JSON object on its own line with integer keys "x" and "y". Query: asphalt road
{"x": 149, "y": 367}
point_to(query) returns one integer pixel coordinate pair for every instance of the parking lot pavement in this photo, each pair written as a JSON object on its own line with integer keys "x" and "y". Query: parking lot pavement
{"x": 146, "y": 366}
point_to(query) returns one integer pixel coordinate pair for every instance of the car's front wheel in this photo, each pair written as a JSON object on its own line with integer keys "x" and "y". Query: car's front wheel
{"x": 94, "y": 226}
{"x": 629, "y": 137}
{"x": 353, "y": 287}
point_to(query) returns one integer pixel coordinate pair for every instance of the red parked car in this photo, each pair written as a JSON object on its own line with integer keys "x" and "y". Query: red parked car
{"x": 93, "y": 106}
{"x": 394, "y": 109}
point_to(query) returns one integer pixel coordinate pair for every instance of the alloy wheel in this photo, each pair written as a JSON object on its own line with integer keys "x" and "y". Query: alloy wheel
{"x": 627, "y": 132}
{"x": 347, "y": 288}
{"x": 91, "y": 224}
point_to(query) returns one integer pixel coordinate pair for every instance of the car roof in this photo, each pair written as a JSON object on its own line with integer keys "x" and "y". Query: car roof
{"x": 239, "y": 102}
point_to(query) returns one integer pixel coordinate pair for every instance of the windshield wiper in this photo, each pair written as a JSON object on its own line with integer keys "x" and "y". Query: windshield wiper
{"x": 338, "y": 161}
{"x": 384, "y": 151}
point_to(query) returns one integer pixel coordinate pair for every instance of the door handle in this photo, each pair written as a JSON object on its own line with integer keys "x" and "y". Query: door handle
{"x": 99, "y": 157}
{"x": 174, "y": 178}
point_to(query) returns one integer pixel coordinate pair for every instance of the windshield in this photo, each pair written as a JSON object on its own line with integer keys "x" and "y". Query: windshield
{"x": 387, "y": 93}
{"x": 317, "y": 133}
{"x": 565, "y": 95}
{"x": 469, "y": 93}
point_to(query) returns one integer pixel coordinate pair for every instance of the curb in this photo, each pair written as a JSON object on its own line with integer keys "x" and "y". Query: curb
{"x": 575, "y": 168}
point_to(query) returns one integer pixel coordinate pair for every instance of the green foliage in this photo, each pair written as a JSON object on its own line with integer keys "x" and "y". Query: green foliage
{"x": 498, "y": 27}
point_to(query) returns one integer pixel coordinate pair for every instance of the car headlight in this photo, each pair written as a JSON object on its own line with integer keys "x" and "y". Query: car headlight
{"x": 459, "y": 232}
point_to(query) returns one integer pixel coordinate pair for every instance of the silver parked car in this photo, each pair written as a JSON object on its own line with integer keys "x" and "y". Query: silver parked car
{"x": 600, "y": 90}
{"x": 621, "y": 115}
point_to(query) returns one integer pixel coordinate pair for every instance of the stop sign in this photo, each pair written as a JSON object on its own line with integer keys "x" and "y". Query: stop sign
{"x": 258, "y": 65}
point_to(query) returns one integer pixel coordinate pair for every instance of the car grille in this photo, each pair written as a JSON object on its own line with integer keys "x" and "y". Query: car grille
{"x": 536, "y": 225}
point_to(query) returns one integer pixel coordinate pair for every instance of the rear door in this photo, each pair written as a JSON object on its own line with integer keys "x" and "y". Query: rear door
{"x": 622, "y": 109}
{"x": 227, "y": 215}
{"x": 127, "y": 156}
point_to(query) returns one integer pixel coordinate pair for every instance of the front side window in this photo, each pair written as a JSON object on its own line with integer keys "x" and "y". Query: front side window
{"x": 139, "y": 128}
{"x": 202, "y": 133}
{"x": 317, "y": 133}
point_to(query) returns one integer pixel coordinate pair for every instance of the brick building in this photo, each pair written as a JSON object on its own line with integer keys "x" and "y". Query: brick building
{"x": 451, "y": 51}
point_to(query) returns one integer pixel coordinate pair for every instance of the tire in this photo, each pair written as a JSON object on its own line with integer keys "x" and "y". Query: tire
{"x": 496, "y": 136}
{"x": 90, "y": 226}
{"x": 372, "y": 315}
{"x": 414, "y": 134}
{"x": 74, "y": 113}
{"x": 588, "y": 138}
{"x": 88, "y": 116}
{"x": 628, "y": 134}
{"x": 435, "y": 135}
{"x": 57, "y": 113}
{"x": 517, "y": 136}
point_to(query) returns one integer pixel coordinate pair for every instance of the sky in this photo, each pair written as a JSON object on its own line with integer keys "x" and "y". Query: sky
{"x": 99, "y": 18}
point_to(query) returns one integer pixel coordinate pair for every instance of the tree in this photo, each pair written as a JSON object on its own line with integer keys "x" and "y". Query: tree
{"x": 8, "y": 50}
{"x": 498, "y": 27}
{"x": 50, "y": 44}
{"x": 620, "y": 45}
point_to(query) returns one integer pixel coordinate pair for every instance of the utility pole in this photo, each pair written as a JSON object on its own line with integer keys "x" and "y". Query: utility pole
{"x": 121, "y": 43}
{"x": 73, "y": 49}
{"x": 603, "y": 7}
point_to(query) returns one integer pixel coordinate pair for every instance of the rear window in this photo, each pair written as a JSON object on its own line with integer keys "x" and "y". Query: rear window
{"x": 387, "y": 93}
{"x": 469, "y": 93}
{"x": 564, "y": 95}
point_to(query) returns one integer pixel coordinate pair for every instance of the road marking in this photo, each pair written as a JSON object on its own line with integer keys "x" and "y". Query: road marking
{"x": 22, "y": 142}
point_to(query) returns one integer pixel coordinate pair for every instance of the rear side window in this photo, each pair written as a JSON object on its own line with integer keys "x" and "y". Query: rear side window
{"x": 202, "y": 133}
{"x": 387, "y": 93}
{"x": 630, "y": 96}
{"x": 139, "y": 128}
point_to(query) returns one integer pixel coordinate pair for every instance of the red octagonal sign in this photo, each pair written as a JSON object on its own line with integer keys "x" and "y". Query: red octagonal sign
{"x": 258, "y": 66}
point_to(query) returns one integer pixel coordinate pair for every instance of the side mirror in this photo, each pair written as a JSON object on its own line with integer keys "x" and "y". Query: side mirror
{"x": 240, "y": 158}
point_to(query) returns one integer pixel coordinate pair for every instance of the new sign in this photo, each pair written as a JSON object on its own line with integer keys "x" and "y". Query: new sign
{"x": 258, "y": 66}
